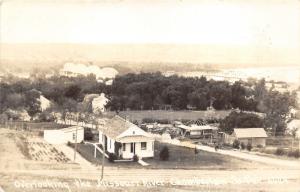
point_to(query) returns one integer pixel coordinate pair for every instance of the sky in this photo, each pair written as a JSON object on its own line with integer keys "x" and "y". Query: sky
{"x": 269, "y": 29}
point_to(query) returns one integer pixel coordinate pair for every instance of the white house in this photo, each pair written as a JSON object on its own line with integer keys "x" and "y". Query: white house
{"x": 254, "y": 136}
{"x": 99, "y": 103}
{"x": 74, "y": 134}
{"x": 45, "y": 103}
{"x": 294, "y": 125}
{"x": 125, "y": 139}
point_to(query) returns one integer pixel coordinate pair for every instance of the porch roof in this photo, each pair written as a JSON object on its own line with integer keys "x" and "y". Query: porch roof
{"x": 135, "y": 138}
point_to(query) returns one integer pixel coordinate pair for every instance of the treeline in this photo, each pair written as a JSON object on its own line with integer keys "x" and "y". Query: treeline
{"x": 147, "y": 91}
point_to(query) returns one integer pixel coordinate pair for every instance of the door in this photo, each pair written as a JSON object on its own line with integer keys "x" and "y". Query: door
{"x": 132, "y": 148}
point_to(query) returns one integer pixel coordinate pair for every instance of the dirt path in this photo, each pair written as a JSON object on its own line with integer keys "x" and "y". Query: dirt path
{"x": 246, "y": 156}
{"x": 69, "y": 152}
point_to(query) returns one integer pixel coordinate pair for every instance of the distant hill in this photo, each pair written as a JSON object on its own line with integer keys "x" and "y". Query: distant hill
{"x": 135, "y": 57}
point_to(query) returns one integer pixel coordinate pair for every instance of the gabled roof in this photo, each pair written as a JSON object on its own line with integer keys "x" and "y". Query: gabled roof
{"x": 117, "y": 126}
{"x": 250, "y": 133}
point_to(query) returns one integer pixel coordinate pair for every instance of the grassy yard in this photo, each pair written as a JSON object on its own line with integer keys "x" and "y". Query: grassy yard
{"x": 180, "y": 158}
{"x": 185, "y": 158}
{"x": 173, "y": 115}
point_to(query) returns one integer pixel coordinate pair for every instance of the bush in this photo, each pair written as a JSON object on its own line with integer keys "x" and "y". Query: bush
{"x": 279, "y": 151}
{"x": 100, "y": 146}
{"x": 243, "y": 146}
{"x": 249, "y": 146}
{"x": 69, "y": 144}
{"x": 148, "y": 120}
{"x": 163, "y": 121}
{"x": 112, "y": 157}
{"x": 135, "y": 158}
{"x": 41, "y": 134}
{"x": 164, "y": 154}
{"x": 88, "y": 135}
{"x": 294, "y": 153}
{"x": 259, "y": 146}
{"x": 236, "y": 144}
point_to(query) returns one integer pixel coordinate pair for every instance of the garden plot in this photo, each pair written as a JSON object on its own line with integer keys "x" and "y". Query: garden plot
{"x": 41, "y": 151}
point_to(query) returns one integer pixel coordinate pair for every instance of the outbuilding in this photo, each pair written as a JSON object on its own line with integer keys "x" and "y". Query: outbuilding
{"x": 74, "y": 134}
{"x": 254, "y": 136}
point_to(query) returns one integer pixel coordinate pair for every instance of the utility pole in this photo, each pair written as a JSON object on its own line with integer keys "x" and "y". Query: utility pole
{"x": 103, "y": 155}
{"x": 75, "y": 148}
{"x": 1, "y": 3}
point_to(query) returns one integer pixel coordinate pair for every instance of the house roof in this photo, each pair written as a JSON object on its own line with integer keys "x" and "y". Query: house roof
{"x": 115, "y": 126}
{"x": 72, "y": 128}
{"x": 250, "y": 133}
{"x": 195, "y": 127}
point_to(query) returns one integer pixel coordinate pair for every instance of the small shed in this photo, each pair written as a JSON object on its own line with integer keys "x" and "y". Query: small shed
{"x": 74, "y": 134}
{"x": 254, "y": 136}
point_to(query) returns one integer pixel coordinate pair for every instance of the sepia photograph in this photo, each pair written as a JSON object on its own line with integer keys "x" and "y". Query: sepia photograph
{"x": 149, "y": 95}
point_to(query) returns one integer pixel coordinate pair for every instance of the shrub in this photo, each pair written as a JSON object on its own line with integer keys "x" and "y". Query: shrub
{"x": 70, "y": 144}
{"x": 88, "y": 135}
{"x": 164, "y": 154}
{"x": 112, "y": 157}
{"x": 259, "y": 146}
{"x": 294, "y": 153}
{"x": 100, "y": 146}
{"x": 163, "y": 121}
{"x": 243, "y": 146}
{"x": 279, "y": 151}
{"x": 135, "y": 158}
{"x": 236, "y": 144}
{"x": 249, "y": 146}
{"x": 297, "y": 153}
{"x": 148, "y": 120}
{"x": 41, "y": 134}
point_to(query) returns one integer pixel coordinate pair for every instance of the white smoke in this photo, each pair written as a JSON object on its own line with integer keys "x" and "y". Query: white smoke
{"x": 72, "y": 69}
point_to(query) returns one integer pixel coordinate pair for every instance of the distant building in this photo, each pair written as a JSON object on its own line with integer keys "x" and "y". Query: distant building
{"x": 294, "y": 125}
{"x": 126, "y": 139}
{"x": 254, "y": 136}
{"x": 74, "y": 134}
{"x": 45, "y": 103}
{"x": 198, "y": 131}
{"x": 99, "y": 103}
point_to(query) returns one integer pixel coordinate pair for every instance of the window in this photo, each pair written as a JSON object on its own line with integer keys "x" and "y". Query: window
{"x": 124, "y": 146}
{"x": 143, "y": 145}
{"x": 110, "y": 144}
{"x": 74, "y": 136}
{"x": 131, "y": 147}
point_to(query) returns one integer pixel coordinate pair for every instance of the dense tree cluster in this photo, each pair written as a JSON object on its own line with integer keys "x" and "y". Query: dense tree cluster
{"x": 241, "y": 120}
{"x": 64, "y": 92}
{"x": 154, "y": 91}
{"x": 149, "y": 91}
